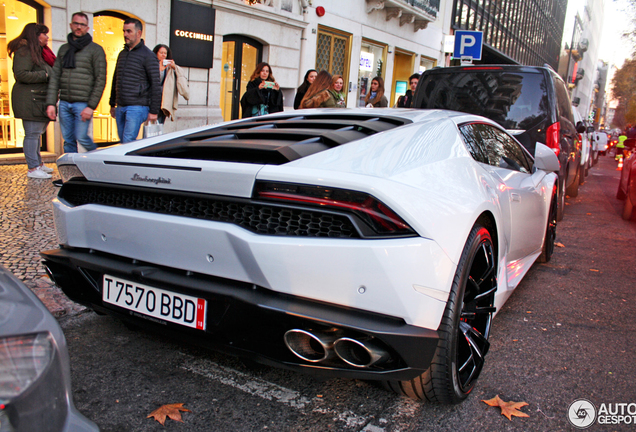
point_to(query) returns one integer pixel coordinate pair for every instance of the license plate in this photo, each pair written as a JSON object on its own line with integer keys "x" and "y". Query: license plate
{"x": 155, "y": 302}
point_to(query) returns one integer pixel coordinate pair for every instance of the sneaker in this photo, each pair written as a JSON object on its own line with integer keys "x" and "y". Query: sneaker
{"x": 45, "y": 168}
{"x": 38, "y": 174}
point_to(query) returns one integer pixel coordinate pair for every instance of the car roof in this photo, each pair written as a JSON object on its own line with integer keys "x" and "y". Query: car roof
{"x": 491, "y": 68}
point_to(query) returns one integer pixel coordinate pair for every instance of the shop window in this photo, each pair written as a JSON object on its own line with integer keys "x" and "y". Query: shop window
{"x": 14, "y": 15}
{"x": 333, "y": 53}
{"x": 372, "y": 64}
{"x": 427, "y": 63}
{"x": 107, "y": 32}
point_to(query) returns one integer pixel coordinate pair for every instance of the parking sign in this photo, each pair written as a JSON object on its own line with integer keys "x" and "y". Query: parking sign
{"x": 468, "y": 44}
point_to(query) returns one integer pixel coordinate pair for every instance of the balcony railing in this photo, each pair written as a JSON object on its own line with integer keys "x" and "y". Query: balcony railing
{"x": 428, "y": 6}
{"x": 416, "y": 12}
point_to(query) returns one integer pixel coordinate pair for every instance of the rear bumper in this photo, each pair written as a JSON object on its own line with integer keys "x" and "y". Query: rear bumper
{"x": 247, "y": 320}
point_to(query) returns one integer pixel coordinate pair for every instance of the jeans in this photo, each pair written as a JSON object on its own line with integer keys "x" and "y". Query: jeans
{"x": 129, "y": 120}
{"x": 33, "y": 130}
{"x": 74, "y": 130}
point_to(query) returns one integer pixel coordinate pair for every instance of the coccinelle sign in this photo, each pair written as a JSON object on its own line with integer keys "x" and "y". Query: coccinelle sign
{"x": 192, "y": 34}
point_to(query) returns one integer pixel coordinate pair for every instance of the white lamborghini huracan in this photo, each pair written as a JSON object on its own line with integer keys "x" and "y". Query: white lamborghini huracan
{"x": 373, "y": 243}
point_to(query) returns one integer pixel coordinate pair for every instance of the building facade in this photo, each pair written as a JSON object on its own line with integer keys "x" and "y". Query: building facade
{"x": 525, "y": 32}
{"x": 359, "y": 39}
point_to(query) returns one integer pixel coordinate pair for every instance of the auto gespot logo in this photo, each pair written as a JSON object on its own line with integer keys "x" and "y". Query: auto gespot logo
{"x": 582, "y": 413}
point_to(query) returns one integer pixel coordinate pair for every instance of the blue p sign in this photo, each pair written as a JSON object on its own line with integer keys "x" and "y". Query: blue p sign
{"x": 468, "y": 44}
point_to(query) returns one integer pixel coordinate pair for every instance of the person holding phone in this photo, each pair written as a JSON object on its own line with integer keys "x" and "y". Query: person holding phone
{"x": 263, "y": 95}
{"x": 173, "y": 82}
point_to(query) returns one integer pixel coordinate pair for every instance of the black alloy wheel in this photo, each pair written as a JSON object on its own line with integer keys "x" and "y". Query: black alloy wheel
{"x": 476, "y": 314}
{"x": 464, "y": 329}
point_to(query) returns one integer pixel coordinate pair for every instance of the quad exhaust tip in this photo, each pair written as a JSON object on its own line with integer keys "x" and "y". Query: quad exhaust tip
{"x": 316, "y": 347}
{"x": 359, "y": 354}
{"x": 311, "y": 347}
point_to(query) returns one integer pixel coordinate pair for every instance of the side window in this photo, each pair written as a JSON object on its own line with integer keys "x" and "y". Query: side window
{"x": 563, "y": 100}
{"x": 513, "y": 153}
{"x": 490, "y": 145}
{"x": 473, "y": 142}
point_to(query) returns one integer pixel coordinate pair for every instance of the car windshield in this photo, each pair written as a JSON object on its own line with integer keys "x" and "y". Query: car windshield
{"x": 515, "y": 100}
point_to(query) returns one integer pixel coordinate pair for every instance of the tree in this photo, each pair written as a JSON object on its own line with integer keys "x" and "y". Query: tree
{"x": 624, "y": 90}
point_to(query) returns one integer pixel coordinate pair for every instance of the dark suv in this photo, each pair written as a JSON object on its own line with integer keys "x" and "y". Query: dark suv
{"x": 532, "y": 103}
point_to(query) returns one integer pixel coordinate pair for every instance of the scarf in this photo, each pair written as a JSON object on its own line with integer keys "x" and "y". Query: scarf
{"x": 48, "y": 55}
{"x": 75, "y": 45}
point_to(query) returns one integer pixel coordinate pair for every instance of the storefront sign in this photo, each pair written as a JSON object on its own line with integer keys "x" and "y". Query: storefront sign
{"x": 192, "y": 34}
{"x": 366, "y": 61}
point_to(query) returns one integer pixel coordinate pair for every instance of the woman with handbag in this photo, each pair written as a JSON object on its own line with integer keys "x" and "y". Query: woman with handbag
{"x": 263, "y": 95}
{"x": 173, "y": 82}
{"x": 28, "y": 96}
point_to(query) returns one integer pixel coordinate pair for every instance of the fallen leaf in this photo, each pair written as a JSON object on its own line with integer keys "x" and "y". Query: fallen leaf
{"x": 589, "y": 214}
{"x": 595, "y": 270}
{"x": 508, "y": 409}
{"x": 170, "y": 410}
{"x": 557, "y": 244}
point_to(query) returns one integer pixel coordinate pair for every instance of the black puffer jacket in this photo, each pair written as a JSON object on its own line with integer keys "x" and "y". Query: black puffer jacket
{"x": 85, "y": 82}
{"x": 136, "y": 79}
{"x": 28, "y": 96}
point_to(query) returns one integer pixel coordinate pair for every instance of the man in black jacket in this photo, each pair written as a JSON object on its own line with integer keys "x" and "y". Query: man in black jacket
{"x": 135, "y": 96}
{"x": 406, "y": 100}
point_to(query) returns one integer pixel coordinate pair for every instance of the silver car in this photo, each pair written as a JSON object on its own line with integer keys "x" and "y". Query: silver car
{"x": 35, "y": 376}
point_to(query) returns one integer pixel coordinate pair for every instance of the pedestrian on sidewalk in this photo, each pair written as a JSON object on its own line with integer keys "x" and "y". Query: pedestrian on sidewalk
{"x": 173, "y": 83}
{"x": 135, "y": 96}
{"x": 310, "y": 76}
{"x": 31, "y": 69}
{"x": 262, "y": 95}
{"x": 318, "y": 94}
{"x": 78, "y": 79}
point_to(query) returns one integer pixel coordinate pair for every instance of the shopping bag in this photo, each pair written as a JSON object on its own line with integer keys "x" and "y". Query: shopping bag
{"x": 153, "y": 129}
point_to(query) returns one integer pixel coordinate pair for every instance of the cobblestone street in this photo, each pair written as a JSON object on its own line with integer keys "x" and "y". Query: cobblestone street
{"x": 27, "y": 229}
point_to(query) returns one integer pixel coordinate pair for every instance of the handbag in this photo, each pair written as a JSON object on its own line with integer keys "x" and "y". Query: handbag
{"x": 153, "y": 129}
{"x": 260, "y": 110}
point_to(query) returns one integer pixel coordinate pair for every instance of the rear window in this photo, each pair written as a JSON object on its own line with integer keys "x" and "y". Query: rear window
{"x": 514, "y": 100}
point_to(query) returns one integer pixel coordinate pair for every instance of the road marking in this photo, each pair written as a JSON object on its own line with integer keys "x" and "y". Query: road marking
{"x": 272, "y": 392}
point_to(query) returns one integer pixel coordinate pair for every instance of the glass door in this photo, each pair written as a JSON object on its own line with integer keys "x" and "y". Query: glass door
{"x": 372, "y": 64}
{"x": 240, "y": 57}
{"x": 107, "y": 32}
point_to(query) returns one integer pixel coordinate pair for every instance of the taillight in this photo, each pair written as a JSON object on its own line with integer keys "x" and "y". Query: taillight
{"x": 552, "y": 137}
{"x": 381, "y": 219}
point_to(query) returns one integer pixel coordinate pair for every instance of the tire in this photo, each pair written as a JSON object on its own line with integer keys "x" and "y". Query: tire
{"x": 628, "y": 209}
{"x": 582, "y": 170}
{"x": 561, "y": 202}
{"x": 464, "y": 329}
{"x": 550, "y": 232}
{"x": 620, "y": 194}
{"x": 573, "y": 190}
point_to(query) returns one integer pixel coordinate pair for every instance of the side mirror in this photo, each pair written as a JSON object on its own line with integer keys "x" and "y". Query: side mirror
{"x": 580, "y": 127}
{"x": 590, "y": 129}
{"x": 545, "y": 159}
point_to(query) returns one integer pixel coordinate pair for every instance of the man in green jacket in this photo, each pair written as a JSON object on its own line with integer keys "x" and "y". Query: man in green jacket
{"x": 78, "y": 79}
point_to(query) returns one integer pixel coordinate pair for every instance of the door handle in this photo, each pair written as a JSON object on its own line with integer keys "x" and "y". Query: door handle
{"x": 515, "y": 197}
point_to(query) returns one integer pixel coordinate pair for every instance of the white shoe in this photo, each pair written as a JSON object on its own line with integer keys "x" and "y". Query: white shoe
{"x": 38, "y": 174}
{"x": 45, "y": 168}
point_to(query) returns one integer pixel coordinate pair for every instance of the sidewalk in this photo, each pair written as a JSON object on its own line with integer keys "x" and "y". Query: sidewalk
{"x": 28, "y": 228}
